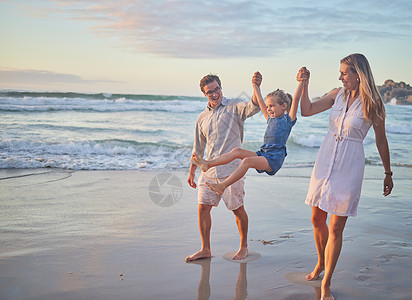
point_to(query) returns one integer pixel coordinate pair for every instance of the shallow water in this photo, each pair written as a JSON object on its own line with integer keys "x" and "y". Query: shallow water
{"x": 147, "y": 132}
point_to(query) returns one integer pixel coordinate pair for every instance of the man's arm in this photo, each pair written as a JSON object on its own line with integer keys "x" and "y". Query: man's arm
{"x": 191, "y": 178}
{"x": 199, "y": 146}
{"x": 248, "y": 109}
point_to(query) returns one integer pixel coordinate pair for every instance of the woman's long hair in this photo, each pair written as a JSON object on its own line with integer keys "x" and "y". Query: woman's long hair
{"x": 372, "y": 102}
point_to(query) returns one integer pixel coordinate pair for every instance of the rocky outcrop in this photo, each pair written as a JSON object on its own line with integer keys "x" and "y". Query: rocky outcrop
{"x": 396, "y": 92}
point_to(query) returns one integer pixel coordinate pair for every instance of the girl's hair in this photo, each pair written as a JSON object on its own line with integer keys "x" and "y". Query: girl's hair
{"x": 282, "y": 98}
{"x": 372, "y": 102}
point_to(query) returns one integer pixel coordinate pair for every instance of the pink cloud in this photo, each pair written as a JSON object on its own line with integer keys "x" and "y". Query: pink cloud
{"x": 208, "y": 29}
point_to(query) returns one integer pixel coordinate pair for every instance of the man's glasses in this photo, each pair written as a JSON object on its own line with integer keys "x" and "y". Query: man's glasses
{"x": 215, "y": 91}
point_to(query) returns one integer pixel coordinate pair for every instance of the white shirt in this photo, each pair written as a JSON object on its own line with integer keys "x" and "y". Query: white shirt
{"x": 220, "y": 130}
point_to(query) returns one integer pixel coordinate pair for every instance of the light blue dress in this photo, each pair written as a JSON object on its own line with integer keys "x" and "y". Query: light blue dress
{"x": 274, "y": 147}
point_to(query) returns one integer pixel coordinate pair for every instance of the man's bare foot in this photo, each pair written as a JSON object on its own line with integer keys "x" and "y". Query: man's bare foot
{"x": 198, "y": 255}
{"x": 315, "y": 273}
{"x": 241, "y": 254}
{"x": 200, "y": 162}
{"x": 326, "y": 294}
{"x": 216, "y": 187}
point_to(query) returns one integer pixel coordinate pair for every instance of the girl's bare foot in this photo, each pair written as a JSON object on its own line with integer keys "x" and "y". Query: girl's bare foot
{"x": 315, "y": 273}
{"x": 203, "y": 253}
{"x": 241, "y": 254}
{"x": 200, "y": 162}
{"x": 216, "y": 187}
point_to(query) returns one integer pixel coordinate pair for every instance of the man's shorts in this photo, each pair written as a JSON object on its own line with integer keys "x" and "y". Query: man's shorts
{"x": 232, "y": 196}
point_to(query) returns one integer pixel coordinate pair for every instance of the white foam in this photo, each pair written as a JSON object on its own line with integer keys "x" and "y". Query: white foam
{"x": 106, "y": 105}
{"x": 311, "y": 140}
{"x": 91, "y": 155}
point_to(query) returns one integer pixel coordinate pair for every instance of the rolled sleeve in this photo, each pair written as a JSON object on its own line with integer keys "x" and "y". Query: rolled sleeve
{"x": 247, "y": 109}
{"x": 199, "y": 144}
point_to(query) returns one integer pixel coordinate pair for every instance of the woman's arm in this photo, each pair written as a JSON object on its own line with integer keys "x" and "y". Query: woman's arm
{"x": 383, "y": 149}
{"x": 307, "y": 108}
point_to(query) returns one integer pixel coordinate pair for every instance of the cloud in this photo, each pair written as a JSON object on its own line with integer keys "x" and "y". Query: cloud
{"x": 221, "y": 29}
{"x": 28, "y": 77}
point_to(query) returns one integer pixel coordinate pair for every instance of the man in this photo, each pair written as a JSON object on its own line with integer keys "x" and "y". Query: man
{"x": 219, "y": 129}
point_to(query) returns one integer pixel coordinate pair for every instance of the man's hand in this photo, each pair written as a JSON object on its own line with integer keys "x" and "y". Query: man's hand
{"x": 191, "y": 180}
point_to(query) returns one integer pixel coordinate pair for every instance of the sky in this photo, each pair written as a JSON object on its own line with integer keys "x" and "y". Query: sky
{"x": 164, "y": 47}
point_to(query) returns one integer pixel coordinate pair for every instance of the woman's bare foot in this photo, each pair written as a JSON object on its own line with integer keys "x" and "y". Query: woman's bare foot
{"x": 241, "y": 254}
{"x": 200, "y": 162}
{"x": 216, "y": 187}
{"x": 326, "y": 294}
{"x": 203, "y": 253}
{"x": 315, "y": 273}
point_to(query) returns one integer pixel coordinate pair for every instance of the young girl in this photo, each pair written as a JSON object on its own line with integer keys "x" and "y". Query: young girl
{"x": 271, "y": 155}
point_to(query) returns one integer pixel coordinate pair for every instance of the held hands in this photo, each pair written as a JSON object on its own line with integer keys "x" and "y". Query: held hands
{"x": 257, "y": 79}
{"x": 303, "y": 74}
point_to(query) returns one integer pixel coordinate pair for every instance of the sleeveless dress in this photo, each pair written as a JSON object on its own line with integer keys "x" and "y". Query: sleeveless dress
{"x": 274, "y": 142}
{"x": 336, "y": 181}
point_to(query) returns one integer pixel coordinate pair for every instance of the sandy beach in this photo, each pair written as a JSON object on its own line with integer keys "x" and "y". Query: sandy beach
{"x": 124, "y": 235}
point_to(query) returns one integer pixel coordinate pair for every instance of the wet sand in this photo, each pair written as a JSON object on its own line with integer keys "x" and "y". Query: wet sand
{"x": 125, "y": 234}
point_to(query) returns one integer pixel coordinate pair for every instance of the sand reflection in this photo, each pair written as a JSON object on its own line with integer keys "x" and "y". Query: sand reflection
{"x": 299, "y": 278}
{"x": 204, "y": 283}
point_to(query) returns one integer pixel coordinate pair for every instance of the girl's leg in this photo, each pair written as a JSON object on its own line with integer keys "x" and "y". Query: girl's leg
{"x": 205, "y": 165}
{"x": 320, "y": 232}
{"x": 257, "y": 162}
{"x": 332, "y": 251}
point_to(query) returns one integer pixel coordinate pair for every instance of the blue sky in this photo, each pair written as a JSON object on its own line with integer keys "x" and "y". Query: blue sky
{"x": 165, "y": 46}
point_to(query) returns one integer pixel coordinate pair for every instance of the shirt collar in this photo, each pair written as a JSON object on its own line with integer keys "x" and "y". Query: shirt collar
{"x": 224, "y": 103}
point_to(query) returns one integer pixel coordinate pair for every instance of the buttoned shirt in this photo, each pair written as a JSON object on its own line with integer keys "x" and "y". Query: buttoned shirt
{"x": 219, "y": 130}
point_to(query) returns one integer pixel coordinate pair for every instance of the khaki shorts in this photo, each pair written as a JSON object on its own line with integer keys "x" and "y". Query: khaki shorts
{"x": 232, "y": 196}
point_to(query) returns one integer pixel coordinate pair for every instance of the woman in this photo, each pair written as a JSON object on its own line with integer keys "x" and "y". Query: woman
{"x": 336, "y": 180}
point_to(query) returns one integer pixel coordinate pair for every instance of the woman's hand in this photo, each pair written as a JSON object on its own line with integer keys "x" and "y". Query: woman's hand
{"x": 303, "y": 74}
{"x": 387, "y": 185}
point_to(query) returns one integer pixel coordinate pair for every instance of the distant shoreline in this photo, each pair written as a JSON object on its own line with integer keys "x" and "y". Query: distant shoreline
{"x": 398, "y": 93}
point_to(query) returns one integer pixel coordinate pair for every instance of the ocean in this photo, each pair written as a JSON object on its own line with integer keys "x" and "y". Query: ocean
{"x": 148, "y": 132}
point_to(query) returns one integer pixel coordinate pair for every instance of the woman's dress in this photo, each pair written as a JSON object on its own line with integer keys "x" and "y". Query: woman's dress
{"x": 336, "y": 181}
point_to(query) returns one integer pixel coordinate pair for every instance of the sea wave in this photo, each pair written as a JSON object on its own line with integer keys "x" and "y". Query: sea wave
{"x": 93, "y": 155}
{"x": 112, "y": 104}
{"x": 97, "y": 96}
{"x": 399, "y": 128}
{"x": 311, "y": 140}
